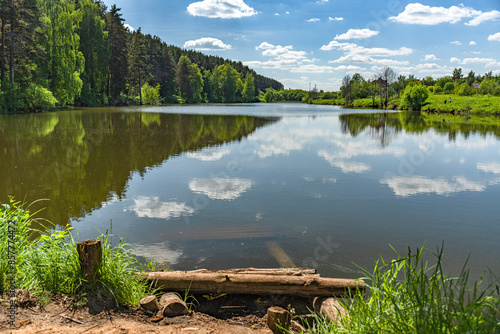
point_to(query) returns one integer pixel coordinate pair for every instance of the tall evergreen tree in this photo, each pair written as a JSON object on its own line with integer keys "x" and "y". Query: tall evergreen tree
{"x": 95, "y": 49}
{"x": 118, "y": 57}
{"x": 138, "y": 62}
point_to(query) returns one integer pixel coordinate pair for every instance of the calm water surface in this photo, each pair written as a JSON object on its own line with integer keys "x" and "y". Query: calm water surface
{"x": 220, "y": 186}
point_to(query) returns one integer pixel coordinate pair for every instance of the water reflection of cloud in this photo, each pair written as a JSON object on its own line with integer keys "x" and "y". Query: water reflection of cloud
{"x": 152, "y": 207}
{"x": 489, "y": 167}
{"x": 220, "y": 188}
{"x": 414, "y": 185}
{"x": 345, "y": 166}
{"x": 160, "y": 252}
{"x": 208, "y": 155}
{"x": 350, "y": 148}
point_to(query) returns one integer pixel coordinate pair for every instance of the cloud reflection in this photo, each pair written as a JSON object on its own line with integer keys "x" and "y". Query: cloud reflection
{"x": 152, "y": 207}
{"x": 160, "y": 252}
{"x": 345, "y": 166}
{"x": 220, "y": 188}
{"x": 414, "y": 185}
{"x": 207, "y": 155}
{"x": 489, "y": 167}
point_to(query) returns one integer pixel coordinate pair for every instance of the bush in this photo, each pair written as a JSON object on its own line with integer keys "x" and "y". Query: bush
{"x": 465, "y": 90}
{"x": 438, "y": 89}
{"x": 414, "y": 97}
{"x": 150, "y": 95}
{"x": 39, "y": 98}
{"x": 449, "y": 88}
{"x": 430, "y": 89}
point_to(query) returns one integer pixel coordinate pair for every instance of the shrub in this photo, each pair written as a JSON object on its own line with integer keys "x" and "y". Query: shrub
{"x": 449, "y": 88}
{"x": 438, "y": 89}
{"x": 414, "y": 97}
{"x": 465, "y": 90}
{"x": 40, "y": 98}
{"x": 430, "y": 89}
{"x": 150, "y": 94}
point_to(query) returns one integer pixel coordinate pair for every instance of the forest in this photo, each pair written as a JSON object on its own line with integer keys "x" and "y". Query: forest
{"x": 79, "y": 52}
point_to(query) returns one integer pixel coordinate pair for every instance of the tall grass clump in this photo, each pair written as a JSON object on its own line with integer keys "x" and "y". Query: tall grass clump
{"x": 407, "y": 295}
{"x": 48, "y": 264}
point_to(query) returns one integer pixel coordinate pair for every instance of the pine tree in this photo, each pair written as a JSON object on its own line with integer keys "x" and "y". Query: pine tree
{"x": 138, "y": 62}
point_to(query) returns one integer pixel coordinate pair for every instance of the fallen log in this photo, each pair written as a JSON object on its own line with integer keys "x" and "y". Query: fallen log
{"x": 263, "y": 271}
{"x": 218, "y": 283}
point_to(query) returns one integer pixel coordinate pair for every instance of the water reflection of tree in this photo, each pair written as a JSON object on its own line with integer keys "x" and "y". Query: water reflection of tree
{"x": 81, "y": 159}
{"x": 383, "y": 126}
{"x": 386, "y": 126}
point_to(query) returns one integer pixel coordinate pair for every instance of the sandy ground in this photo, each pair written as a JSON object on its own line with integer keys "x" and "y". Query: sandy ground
{"x": 60, "y": 316}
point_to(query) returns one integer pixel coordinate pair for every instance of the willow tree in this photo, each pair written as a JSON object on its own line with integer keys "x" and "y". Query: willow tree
{"x": 64, "y": 61}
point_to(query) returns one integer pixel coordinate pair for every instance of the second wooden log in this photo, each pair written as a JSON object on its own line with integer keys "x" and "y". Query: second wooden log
{"x": 301, "y": 286}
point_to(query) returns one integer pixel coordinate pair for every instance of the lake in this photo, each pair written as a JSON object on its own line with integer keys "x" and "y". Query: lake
{"x": 261, "y": 185}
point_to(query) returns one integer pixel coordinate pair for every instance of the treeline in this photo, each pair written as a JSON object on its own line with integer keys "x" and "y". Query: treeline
{"x": 79, "y": 52}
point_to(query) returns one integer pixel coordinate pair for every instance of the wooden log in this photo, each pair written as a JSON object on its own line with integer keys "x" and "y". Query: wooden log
{"x": 90, "y": 256}
{"x": 278, "y": 319}
{"x": 149, "y": 304}
{"x": 172, "y": 305}
{"x": 330, "y": 308}
{"x": 217, "y": 283}
{"x": 263, "y": 271}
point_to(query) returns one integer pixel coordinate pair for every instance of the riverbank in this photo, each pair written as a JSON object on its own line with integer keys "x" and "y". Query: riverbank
{"x": 405, "y": 294}
{"x": 477, "y": 104}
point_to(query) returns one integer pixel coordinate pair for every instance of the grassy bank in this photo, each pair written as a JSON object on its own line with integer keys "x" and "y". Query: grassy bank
{"x": 477, "y": 104}
{"x": 48, "y": 264}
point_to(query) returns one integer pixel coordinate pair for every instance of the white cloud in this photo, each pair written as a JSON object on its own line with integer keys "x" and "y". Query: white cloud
{"x": 456, "y": 43}
{"x": 335, "y": 18}
{"x": 220, "y": 188}
{"x": 494, "y": 37}
{"x": 488, "y": 62}
{"x": 489, "y": 167}
{"x": 207, "y": 44}
{"x": 152, "y": 207}
{"x": 314, "y": 19}
{"x": 472, "y": 43}
{"x": 321, "y": 1}
{"x": 430, "y": 57}
{"x": 345, "y": 166}
{"x": 416, "y": 13}
{"x": 493, "y": 15}
{"x": 311, "y": 68}
{"x": 225, "y": 9}
{"x": 357, "y": 34}
{"x": 128, "y": 27}
{"x": 348, "y": 68}
{"x": 284, "y": 57}
{"x": 414, "y": 185}
{"x": 208, "y": 155}
{"x": 354, "y": 49}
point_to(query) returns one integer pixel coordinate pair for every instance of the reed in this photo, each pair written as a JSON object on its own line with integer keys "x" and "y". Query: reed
{"x": 408, "y": 295}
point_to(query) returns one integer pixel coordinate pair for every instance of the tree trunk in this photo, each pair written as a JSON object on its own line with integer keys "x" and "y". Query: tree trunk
{"x": 278, "y": 319}
{"x": 2, "y": 53}
{"x": 330, "y": 308}
{"x": 11, "y": 65}
{"x": 90, "y": 255}
{"x": 149, "y": 304}
{"x": 258, "y": 284}
{"x": 172, "y": 306}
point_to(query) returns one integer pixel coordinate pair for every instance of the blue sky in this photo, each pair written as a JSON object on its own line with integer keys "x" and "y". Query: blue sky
{"x": 318, "y": 42}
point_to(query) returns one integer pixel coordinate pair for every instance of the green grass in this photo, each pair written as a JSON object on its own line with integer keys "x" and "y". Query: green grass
{"x": 407, "y": 295}
{"x": 48, "y": 264}
{"x": 477, "y": 104}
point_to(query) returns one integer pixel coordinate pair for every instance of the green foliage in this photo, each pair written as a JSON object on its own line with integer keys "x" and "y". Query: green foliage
{"x": 248, "y": 92}
{"x": 449, "y": 88}
{"x": 414, "y": 97}
{"x": 465, "y": 90}
{"x": 39, "y": 98}
{"x": 489, "y": 86}
{"x": 407, "y": 295}
{"x": 150, "y": 95}
{"x": 49, "y": 264}
{"x": 438, "y": 89}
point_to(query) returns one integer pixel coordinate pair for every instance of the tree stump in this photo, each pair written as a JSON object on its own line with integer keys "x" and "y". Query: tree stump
{"x": 278, "y": 319}
{"x": 330, "y": 308}
{"x": 172, "y": 306}
{"x": 90, "y": 256}
{"x": 149, "y": 304}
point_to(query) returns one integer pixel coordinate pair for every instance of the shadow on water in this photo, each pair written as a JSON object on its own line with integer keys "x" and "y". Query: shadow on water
{"x": 80, "y": 159}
